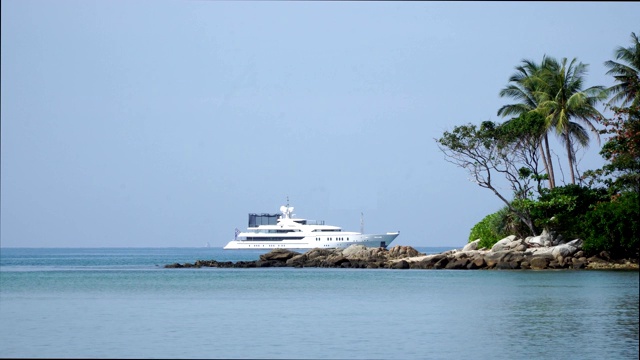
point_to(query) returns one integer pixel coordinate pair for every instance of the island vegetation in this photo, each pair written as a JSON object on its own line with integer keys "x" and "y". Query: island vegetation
{"x": 601, "y": 207}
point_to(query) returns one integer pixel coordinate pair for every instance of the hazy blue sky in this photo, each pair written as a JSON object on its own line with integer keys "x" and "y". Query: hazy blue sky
{"x": 164, "y": 123}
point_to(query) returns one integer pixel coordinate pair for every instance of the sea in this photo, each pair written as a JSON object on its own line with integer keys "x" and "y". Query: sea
{"x": 122, "y": 303}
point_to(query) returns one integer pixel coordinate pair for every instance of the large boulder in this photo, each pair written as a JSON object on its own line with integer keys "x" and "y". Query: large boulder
{"x": 278, "y": 255}
{"x": 542, "y": 240}
{"x": 458, "y": 263}
{"x": 430, "y": 261}
{"x": 355, "y": 251}
{"x": 503, "y": 244}
{"x": 494, "y": 257}
{"x": 539, "y": 252}
{"x": 318, "y": 253}
{"x": 297, "y": 261}
{"x": 476, "y": 262}
{"x": 564, "y": 250}
{"x": 400, "y": 252}
{"x": 540, "y": 262}
{"x": 471, "y": 246}
{"x": 335, "y": 260}
{"x": 362, "y": 253}
{"x": 402, "y": 264}
{"x": 442, "y": 263}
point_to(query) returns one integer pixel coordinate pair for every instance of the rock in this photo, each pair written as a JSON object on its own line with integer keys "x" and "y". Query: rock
{"x": 557, "y": 240}
{"x": 400, "y": 265}
{"x": 578, "y": 263}
{"x": 516, "y": 243}
{"x": 278, "y": 255}
{"x": 458, "y": 263}
{"x": 543, "y": 240}
{"x": 557, "y": 264}
{"x": 521, "y": 247}
{"x": 244, "y": 264}
{"x": 317, "y": 253}
{"x": 508, "y": 265}
{"x": 540, "y": 262}
{"x": 503, "y": 244}
{"x": 492, "y": 258}
{"x": 297, "y": 260}
{"x": 398, "y": 252}
{"x": 477, "y": 263}
{"x": 564, "y": 250}
{"x": 355, "y": 252}
{"x": 539, "y": 252}
{"x": 513, "y": 256}
{"x": 596, "y": 259}
{"x": 336, "y": 260}
{"x": 471, "y": 246}
{"x": 431, "y": 260}
{"x": 509, "y": 260}
{"x": 576, "y": 243}
{"x": 263, "y": 263}
{"x": 441, "y": 264}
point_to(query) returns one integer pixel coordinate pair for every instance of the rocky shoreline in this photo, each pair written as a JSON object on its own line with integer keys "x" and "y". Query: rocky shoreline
{"x": 537, "y": 253}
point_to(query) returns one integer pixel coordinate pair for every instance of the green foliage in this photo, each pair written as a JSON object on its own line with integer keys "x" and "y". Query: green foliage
{"x": 613, "y": 226}
{"x": 622, "y": 152}
{"x": 526, "y": 129}
{"x": 625, "y": 71}
{"x": 465, "y": 139}
{"x": 490, "y": 229}
{"x": 560, "y": 208}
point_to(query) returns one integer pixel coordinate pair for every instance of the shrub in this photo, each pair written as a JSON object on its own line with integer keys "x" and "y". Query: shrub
{"x": 562, "y": 208}
{"x": 490, "y": 229}
{"x": 613, "y": 227}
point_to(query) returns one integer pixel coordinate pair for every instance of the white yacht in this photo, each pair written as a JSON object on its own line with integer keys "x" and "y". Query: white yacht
{"x": 273, "y": 231}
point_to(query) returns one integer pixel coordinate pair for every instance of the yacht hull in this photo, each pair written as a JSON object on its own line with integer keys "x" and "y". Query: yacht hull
{"x": 336, "y": 240}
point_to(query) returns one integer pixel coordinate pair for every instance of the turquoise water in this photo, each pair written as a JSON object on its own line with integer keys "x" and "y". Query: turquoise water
{"x": 121, "y": 303}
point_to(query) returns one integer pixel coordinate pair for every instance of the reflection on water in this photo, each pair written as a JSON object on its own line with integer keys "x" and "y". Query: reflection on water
{"x": 557, "y": 310}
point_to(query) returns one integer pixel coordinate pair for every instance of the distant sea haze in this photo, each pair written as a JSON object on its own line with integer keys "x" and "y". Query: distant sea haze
{"x": 122, "y": 303}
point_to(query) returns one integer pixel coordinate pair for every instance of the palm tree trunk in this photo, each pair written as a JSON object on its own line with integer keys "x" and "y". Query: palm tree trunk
{"x": 552, "y": 179}
{"x": 546, "y": 167}
{"x": 569, "y": 154}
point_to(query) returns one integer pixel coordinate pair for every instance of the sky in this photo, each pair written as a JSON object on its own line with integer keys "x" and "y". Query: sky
{"x": 164, "y": 123}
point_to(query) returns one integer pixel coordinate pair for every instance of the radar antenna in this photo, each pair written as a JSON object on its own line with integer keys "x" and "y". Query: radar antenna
{"x": 286, "y": 210}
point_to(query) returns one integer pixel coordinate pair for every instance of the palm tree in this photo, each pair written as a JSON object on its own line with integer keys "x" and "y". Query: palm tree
{"x": 579, "y": 135}
{"x": 561, "y": 99}
{"x": 523, "y": 87}
{"x": 627, "y": 88}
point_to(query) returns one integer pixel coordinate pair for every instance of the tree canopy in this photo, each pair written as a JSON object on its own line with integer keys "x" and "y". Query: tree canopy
{"x": 551, "y": 95}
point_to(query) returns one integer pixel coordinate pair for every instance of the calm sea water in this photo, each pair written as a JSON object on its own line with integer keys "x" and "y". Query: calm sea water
{"x": 121, "y": 303}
